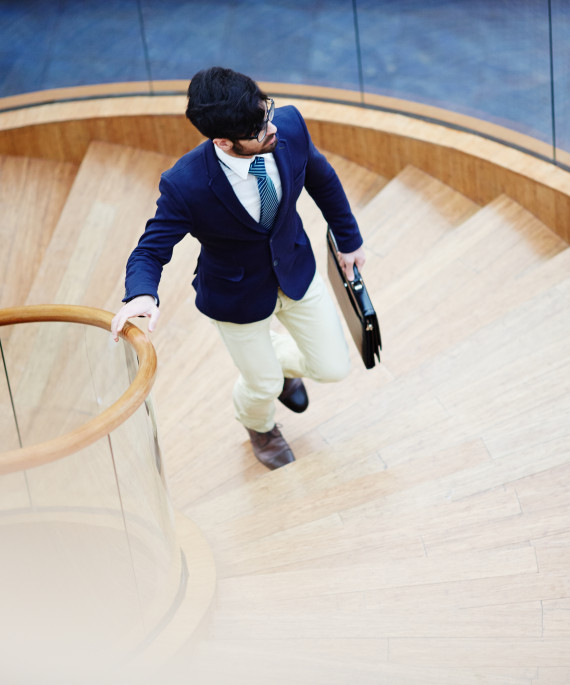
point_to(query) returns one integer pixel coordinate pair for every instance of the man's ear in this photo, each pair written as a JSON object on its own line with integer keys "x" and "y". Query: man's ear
{"x": 224, "y": 144}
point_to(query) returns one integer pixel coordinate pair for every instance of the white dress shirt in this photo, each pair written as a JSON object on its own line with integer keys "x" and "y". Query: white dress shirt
{"x": 244, "y": 184}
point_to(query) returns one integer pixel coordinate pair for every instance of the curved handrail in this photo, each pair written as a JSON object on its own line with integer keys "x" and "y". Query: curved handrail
{"x": 110, "y": 418}
{"x": 26, "y": 108}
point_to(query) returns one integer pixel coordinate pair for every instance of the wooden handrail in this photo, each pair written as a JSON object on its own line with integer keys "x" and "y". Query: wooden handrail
{"x": 124, "y": 91}
{"x": 110, "y": 418}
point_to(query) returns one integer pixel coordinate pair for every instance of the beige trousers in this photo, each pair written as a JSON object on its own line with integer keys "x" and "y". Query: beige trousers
{"x": 315, "y": 348}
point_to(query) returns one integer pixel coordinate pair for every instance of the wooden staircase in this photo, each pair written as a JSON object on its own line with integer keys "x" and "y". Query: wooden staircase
{"x": 423, "y": 534}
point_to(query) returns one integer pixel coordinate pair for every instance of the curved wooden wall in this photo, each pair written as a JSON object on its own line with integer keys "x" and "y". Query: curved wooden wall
{"x": 384, "y": 142}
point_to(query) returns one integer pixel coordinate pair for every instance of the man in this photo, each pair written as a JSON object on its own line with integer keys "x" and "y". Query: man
{"x": 236, "y": 194}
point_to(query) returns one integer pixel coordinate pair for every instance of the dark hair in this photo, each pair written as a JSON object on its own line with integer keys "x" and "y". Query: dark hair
{"x": 223, "y": 103}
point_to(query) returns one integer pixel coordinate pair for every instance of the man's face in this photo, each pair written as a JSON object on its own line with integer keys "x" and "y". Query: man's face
{"x": 250, "y": 148}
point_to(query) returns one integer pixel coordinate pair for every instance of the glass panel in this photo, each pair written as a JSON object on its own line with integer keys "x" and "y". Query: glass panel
{"x": 561, "y": 59}
{"x": 8, "y": 421}
{"x": 137, "y": 464}
{"x": 52, "y": 369}
{"x": 93, "y": 557}
{"x": 149, "y": 517}
{"x": 487, "y": 60}
{"x": 290, "y": 41}
{"x": 13, "y": 487}
{"x": 61, "y": 44}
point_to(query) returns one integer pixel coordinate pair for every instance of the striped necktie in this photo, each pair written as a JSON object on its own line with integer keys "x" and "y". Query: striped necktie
{"x": 267, "y": 193}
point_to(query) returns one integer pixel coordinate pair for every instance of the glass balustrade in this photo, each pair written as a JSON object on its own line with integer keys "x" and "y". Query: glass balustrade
{"x": 91, "y": 567}
{"x": 485, "y": 60}
{"x": 497, "y": 61}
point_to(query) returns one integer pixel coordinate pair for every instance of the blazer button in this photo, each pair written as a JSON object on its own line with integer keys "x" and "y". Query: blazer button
{"x": 275, "y": 262}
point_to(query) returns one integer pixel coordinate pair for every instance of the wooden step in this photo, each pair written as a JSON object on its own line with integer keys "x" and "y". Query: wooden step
{"x": 406, "y": 218}
{"x": 32, "y": 195}
{"x": 492, "y": 231}
{"x": 384, "y": 613}
{"x": 360, "y": 184}
{"x": 391, "y": 438}
{"x": 314, "y": 518}
{"x": 322, "y": 661}
{"x": 364, "y": 532}
{"x": 113, "y": 195}
{"x": 245, "y": 661}
{"x": 478, "y": 303}
{"x": 482, "y": 241}
{"x": 528, "y": 340}
{"x": 481, "y": 287}
{"x": 539, "y": 397}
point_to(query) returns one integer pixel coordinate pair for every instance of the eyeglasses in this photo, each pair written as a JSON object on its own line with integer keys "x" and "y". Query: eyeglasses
{"x": 260, "y": 136}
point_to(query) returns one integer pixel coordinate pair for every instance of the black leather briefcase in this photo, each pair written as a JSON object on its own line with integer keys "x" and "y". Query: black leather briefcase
{"x": 355, "y": 305}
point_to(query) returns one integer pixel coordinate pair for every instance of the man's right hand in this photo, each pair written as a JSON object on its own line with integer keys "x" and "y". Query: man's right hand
{"x": 143, "y": 305}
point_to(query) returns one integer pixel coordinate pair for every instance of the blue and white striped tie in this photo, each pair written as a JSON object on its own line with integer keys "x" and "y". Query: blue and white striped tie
{"x": 267, "y": 193}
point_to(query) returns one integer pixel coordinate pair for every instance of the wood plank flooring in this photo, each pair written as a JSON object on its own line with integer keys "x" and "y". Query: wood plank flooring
{"x": 32, "y": 195}
{"x": 423, "y": 534}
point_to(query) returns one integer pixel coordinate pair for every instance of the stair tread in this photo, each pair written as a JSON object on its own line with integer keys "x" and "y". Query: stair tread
{"x": 450, "y": 294}
{"x": 396, "y": 584}
{"x": 32, "y": 195}
{"x": 382, "y": 525}
{"x": 492, "y": 293}
{"x": 500, "y": 225}
{"x": 388, "y": 527}
{"x": 471, "y": 307}
{"x": 407, "y": 217}
{"x": 360, "y": 184}
{"x": 521, "y": 336}
{"x": 243, "y": 661}
{"x": 82, "y": 264}
{"x": 112, "y": 197}
{"x": 309, "y": 495}
{"x": 366, "y": 441}
{"x": 322, "y": 661}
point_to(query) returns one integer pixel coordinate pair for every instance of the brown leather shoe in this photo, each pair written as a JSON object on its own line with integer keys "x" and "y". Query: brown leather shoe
{"x": 271, "y": 448}
{"x": 294, "y": 395}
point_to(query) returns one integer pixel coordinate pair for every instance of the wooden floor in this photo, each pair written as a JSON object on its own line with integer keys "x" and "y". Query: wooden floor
{"x": 423, "y": 534}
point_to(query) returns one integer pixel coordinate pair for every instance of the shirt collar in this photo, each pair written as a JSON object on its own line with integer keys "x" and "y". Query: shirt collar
{"x": 239, "y": 165}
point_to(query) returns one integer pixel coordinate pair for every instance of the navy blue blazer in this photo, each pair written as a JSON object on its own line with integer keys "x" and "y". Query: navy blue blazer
{"x": 241, "y": 264}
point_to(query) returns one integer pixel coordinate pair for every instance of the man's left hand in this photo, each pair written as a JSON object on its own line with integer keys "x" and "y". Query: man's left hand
{"x": 347, "y": 261}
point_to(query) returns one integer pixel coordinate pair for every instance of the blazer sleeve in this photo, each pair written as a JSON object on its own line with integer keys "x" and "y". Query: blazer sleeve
{"x": 171, "y": 223}
{"x": 324, "y": 186}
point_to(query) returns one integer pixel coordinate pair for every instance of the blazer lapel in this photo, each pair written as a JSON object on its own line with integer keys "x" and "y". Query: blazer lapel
{"x": 223, "y": 190}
